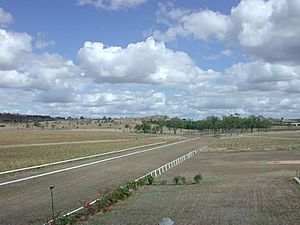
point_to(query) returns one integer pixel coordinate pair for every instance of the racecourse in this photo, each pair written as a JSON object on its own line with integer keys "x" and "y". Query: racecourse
{"x": 28, "y": 201}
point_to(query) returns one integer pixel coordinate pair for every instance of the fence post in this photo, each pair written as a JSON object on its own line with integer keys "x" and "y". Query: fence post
{"x": 52, "y": 203}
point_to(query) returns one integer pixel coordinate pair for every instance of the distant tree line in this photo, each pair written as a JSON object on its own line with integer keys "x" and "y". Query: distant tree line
{"x": 19, "y": 118}
{"x": 212, "y": 124}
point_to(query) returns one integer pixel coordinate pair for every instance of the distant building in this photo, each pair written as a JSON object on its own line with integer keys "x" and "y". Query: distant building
{"x": 291, "y": 122}
{"x": 295, "y": 124}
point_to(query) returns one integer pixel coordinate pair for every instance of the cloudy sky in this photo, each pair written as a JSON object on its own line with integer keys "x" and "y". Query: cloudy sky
{"x": 143, "y": 57}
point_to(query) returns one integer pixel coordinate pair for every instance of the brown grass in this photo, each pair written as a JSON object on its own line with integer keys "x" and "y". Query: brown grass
{"x": 238, "y": 188}
{"x": 14, "y": 157}
{"x": 281, "y": 134}
{"x": 254, "y": 143}
{"x": 14, "y": 137}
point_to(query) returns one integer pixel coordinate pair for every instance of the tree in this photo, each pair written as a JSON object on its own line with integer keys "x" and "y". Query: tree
{"x": 145, "y": 127}
{"x": 212, "y": 122}
{"x": 127, "y": 127}
{"x": 36, "y": 124}
{"x": 175, "y": 123}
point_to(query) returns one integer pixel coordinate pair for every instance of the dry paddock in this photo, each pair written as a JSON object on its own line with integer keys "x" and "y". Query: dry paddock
{"x": 238, "y": 188}
{"x": 25, "y": 148}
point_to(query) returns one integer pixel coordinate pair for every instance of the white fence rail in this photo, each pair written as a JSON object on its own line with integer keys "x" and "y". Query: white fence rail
{"x": 171, "y": 164}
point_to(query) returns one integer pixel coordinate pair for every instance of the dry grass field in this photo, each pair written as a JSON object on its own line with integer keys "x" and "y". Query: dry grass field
{"x": 239, "y": 187}
{"x": 258, "y": 141}
{"x": 281, "y": 134}
{"x": 14, "y": 137}
{"x": 284, "y": 128}
{"x": 20, "y": 148}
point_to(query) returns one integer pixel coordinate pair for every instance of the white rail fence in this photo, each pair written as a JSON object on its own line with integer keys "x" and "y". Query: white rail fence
{"x": 170, "y": 165}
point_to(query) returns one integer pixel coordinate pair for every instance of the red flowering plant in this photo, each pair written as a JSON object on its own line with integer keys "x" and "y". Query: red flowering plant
{"x": 106, "y": 210}
{"x": 102, "y": 203}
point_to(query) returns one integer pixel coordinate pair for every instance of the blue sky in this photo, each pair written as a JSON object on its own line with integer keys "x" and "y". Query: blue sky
{"x": 181, "y": 58}
{"x": 70, "y": 25}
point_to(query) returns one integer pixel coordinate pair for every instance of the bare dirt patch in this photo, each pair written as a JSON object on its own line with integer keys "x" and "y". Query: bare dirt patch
{"x": 296, "y": 162}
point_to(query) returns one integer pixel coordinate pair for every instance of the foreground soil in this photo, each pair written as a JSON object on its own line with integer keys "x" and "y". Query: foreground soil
{"x": 238, "y": 188}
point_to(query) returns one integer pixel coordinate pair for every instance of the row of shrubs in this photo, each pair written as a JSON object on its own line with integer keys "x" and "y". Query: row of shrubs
{"x": 182, "y": 180}
{"x": 103, "y": 203}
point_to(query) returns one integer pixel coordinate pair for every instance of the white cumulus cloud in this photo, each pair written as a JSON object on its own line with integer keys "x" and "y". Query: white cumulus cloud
{"x": 268, "y": 30}
{"x": 262, "y": 76}
{"x": 50, "y": 77}
{"x": 13, "y": 46}
{"x": 143, "y": 62}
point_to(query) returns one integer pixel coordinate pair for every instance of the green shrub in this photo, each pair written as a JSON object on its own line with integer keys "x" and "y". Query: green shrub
{"x": 177, "y": 179}
{"x": 198, "y": 178}
{"x": 150, "y": 179}
{"x": 133, "y": 185}
{"x": 61, "y": 219}
{"x": 142, "y": 181}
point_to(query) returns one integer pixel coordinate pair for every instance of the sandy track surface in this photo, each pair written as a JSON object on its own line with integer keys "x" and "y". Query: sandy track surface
{"x": 28, "y": 202}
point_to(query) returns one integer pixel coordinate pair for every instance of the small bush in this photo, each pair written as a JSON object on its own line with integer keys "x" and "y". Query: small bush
{"x": 142, "y": 181}
{"x": 150, "y": 179}
{"x": 183, "y": 179}
{"x": 198, "y": 178}
{"x": 133, "y": 185}
{"x": 177, "y": 179}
